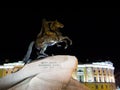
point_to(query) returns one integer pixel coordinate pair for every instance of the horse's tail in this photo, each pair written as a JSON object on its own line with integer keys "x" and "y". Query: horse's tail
{"x": 26, "y": 58}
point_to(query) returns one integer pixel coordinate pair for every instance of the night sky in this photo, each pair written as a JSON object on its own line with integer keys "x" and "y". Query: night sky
{"x": 94, "y": 32}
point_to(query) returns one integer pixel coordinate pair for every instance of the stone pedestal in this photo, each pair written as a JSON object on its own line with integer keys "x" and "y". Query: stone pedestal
{"x": 52, "y": 73}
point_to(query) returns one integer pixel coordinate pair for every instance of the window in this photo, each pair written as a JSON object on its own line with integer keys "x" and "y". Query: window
{"x": 100, "y": 79}
{"x": 80, "y": 79}
{"x": 95, "y": 71}
{"x": 100, "y": 71}
{"x": 104, "y": 79}
{"x": 95, "y": 79}
{"x": 101, "y": 86}
{"x": 96, "y": 86}
{"x": 104, "y": 71}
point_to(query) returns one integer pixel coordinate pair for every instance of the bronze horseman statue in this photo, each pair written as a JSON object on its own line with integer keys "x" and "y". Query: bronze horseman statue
{"x": 49, "y": 35}
{"x": 61, "y": 70}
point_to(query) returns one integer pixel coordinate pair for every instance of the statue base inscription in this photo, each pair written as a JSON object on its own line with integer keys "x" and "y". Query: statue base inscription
{"x": 51, "y": 73}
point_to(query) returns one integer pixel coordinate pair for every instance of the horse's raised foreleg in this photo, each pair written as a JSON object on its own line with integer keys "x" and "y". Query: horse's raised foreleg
{"x": 66, "y": 44}
{"x": 67, "y": 38}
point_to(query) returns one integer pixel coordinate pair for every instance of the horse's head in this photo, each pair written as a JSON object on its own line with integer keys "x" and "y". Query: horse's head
{"x": 55, "y": 25}
{"x": 58, "y": 24}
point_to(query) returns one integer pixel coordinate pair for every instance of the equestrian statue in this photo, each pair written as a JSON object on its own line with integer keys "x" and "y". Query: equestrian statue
{"x": 49, "y": 35}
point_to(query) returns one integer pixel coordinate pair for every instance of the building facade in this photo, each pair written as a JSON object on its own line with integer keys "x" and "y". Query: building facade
{"x": 9, "y": 68}
{"x": 97, "y": 76}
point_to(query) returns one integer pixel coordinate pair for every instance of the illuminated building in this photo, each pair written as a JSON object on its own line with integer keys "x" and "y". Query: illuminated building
{"x": 97, "y": 76}
{"x": 9, "y": 68}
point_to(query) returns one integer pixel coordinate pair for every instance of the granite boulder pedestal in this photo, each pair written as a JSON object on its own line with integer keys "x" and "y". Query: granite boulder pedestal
{"x": 51, "y": 73}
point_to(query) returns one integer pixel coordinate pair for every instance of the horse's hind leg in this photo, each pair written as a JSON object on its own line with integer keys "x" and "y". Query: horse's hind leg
{"x": 41, "y": 56}
{"x": 42, "y": 53}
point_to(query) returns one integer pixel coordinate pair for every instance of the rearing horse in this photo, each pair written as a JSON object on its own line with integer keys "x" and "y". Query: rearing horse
{"x": 48, "y": 36}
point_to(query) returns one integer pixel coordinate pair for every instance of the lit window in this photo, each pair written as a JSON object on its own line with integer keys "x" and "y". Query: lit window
{"x": 104, "y": 79}
{"x": 95, "y": 79}
{"x": 100, "y": 79}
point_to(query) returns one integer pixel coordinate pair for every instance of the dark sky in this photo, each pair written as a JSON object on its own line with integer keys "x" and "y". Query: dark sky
{"x": 94, "y": 32}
